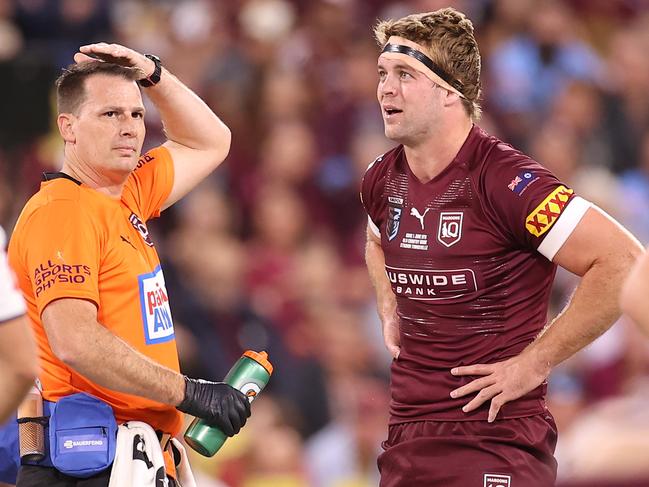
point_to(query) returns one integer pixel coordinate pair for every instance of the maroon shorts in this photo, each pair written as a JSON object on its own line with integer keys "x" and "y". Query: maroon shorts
{"x": 506, "y": 453}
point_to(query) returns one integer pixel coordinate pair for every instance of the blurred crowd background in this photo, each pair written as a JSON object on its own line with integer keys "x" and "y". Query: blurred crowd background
{"x": 268, "y": 253}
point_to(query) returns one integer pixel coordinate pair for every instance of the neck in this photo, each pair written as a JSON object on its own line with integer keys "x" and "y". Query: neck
{"x": 88, "y": 176}
{"x": 433, "y": 155}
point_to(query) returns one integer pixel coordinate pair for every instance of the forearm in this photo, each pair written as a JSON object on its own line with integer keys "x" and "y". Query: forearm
{"x": 14, "y": 384}
{"x": 385, "y": 298}
{"x": 18, "y": 364}
{"x": 83, "y": 344}
{"x": 591, "y": 311}
{"x": 187, "y": 119}
{"x": 122, "y": 368}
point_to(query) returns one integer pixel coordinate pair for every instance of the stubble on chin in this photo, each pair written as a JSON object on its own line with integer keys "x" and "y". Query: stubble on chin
{"x": 393, "y": 133}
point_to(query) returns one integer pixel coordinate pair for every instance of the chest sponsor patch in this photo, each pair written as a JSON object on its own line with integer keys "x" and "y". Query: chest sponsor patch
{"x": 497, "y": 480}
{"x": 156, "y": 312}
{"x": 431, "y": 285}
{"x": 541, "y": 219}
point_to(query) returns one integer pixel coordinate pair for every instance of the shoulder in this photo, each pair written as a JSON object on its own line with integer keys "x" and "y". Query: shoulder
{"x": 160, "y": 153}
{"x": 382, "y": 163}
{"x": 499, "y": 164}
{"x": 381, "y": 166}
{"x": 57, "y": 205}
{"x": 375, "y": 175}
{"x": 492, "y": 152}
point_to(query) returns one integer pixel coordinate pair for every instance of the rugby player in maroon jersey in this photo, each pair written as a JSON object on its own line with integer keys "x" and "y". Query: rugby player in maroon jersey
{"x": 464, "y": 237}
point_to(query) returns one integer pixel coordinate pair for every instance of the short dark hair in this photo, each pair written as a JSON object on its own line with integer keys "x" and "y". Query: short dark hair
{"x": 70, "y": 86}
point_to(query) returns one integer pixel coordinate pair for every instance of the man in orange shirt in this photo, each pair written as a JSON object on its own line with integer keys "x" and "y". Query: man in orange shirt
{"x": 86, "y": 263}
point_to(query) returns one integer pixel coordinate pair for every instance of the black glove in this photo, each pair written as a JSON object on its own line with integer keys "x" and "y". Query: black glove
{"x": 218, "y": 403}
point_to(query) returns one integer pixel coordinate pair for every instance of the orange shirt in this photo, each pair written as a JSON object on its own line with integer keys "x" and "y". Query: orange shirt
{"x": 74, "y": 242}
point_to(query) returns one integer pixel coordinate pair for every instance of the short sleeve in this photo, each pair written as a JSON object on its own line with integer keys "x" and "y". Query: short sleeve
{"x": 530, "y": 205}
{"x": 371, "y": 196}
{"x": 11, "y": 301}
{"x": 150, "y": 184}
{"x": 61, "y": 245}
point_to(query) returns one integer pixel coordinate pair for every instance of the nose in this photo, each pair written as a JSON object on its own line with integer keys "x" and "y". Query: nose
{"x": 387, "y": 86}
{"x": 128, "y": 127}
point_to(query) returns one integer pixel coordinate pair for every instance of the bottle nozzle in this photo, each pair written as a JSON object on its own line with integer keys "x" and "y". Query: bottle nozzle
{"x": 261, "y": 358}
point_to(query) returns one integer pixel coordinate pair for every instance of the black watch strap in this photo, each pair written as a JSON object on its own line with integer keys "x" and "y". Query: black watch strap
{"x": 155, "y": 77}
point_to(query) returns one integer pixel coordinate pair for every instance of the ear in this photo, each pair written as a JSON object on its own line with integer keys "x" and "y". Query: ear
{"x": 65, "y": 122}
{"x": 451, "y": 98}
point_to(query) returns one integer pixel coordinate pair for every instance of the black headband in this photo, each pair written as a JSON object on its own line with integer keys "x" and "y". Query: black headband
{"x": 426, "y": 61}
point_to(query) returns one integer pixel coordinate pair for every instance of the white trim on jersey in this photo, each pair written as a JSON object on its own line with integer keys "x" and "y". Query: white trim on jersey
{"x": 374, "y": 228}
{"x": 11, "y": 301}
{"x": 564, "y": 226}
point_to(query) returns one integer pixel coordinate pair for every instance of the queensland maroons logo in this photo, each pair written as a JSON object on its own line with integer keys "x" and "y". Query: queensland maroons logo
{"x": 449, "y": 231}
{"x": 497, "y": 480}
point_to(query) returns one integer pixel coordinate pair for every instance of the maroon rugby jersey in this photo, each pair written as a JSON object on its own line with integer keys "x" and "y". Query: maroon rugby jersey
{"x": 462, "y": 254}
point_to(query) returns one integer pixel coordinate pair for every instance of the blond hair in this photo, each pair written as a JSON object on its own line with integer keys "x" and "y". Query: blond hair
{"x": 447, "y": 36}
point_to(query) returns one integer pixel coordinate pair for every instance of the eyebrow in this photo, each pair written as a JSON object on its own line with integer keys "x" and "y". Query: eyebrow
{"x": 121, "y": 109}
{"x": 398, "y": 65}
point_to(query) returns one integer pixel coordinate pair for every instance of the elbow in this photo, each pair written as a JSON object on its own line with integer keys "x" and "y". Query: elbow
{"x": 636, "y": 250}
{"x": 66, "y": 352}
{"x": 221, "y": 144}
{"x": 627, "y": 298}
{"x": 226, "y": 143}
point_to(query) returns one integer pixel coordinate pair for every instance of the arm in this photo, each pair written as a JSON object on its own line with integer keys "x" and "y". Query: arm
{"x": 385, "y": 298}
{"x": 197, "y": 139}
{"x": 602, "y": 253}
{"x": 75, "y": 336}
{"x": 634, "y": 299}
{"x": 18, "y": 363}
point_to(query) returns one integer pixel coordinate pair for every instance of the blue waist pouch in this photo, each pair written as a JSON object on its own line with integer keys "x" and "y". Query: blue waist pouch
{"x": 82, "y": 435}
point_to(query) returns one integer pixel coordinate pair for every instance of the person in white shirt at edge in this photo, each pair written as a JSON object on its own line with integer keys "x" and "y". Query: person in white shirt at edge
{"x": 18, "y": 363}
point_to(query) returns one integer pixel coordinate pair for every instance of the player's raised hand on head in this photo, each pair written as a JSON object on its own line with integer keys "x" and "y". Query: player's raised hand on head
{"x": 501, "y": 382}
{"x": 116, "y": 54}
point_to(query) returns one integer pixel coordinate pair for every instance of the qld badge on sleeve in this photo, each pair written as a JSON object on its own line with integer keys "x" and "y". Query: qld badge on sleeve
{"x": 394, "y": 217}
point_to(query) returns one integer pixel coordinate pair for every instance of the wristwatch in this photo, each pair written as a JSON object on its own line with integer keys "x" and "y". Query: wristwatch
{"x": 154, "y": 79}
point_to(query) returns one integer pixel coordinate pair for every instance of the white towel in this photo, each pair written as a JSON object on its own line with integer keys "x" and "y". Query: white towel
{"x": 183, "y": 470}
{"x": 138, "y": 458}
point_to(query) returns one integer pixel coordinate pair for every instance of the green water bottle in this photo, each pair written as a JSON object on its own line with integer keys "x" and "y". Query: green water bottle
{"x": 249, "y": 374}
